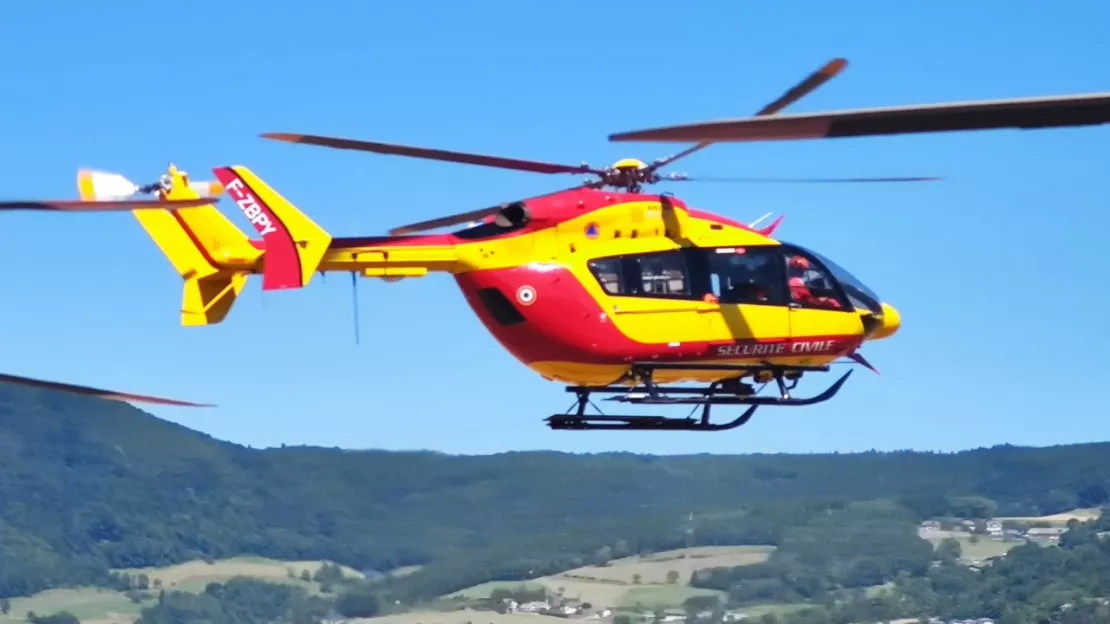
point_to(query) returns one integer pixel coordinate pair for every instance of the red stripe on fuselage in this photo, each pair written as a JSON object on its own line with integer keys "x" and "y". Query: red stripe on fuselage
{"x": 565, "y": 324}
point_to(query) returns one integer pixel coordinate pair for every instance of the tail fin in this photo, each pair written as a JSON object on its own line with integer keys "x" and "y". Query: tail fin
{"x": 294, "y": 244}
{"x": 201, "y": 243}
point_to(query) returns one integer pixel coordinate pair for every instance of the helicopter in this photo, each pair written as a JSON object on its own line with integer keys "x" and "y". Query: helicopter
{"x": 73, "y": 205}
{"x": 601, "y": 286}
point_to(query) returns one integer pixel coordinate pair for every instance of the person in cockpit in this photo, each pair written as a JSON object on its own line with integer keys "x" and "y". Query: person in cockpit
{"x": 798, "y": 269}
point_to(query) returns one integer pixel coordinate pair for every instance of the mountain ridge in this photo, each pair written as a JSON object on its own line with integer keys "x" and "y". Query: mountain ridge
{"x": 89, "y": 485}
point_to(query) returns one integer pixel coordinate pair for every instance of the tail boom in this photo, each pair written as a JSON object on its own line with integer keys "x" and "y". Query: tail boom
{"x": 215, "y": 258}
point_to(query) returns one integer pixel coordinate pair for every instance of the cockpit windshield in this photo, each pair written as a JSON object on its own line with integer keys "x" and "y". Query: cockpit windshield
{"x": 858, "y": 293}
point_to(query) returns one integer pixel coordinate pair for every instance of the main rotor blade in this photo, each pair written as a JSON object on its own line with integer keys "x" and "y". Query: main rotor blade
{"x": 104, "y": 394}
{"x": 431, "y": 154}
{"x": 79, "y": 205}
{"x": 795, "y": 93}
{"x": 465, "y": 217}
{"x": 805, "y": 87}
{"x": 455, "y": 219}
{"x": 798, "y": 180}
{"x": 1024, "y": 113}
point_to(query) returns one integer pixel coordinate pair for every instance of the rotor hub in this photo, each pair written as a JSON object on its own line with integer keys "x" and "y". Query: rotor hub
{"x": 629, "y": 163}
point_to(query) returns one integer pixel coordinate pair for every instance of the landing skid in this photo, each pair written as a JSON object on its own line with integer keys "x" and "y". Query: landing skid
{"x": 727, "y": 392}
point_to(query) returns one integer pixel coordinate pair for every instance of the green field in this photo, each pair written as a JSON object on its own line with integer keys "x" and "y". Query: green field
{"x": 194, "y": 575}
{"x": 1060, "y": 519}
{"x": 465, "y": 616}
{"x": 985, "y": 548}
{"x": 614, "y": 585}
{"x": 90, "y": 605}
{"x": 93, "y": 604}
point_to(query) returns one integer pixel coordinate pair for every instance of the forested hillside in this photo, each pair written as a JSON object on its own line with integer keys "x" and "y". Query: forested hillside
{"x": 88, "y": 485}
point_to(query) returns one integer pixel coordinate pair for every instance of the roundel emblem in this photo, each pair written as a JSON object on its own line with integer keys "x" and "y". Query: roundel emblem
{"x": 526, "y": 295}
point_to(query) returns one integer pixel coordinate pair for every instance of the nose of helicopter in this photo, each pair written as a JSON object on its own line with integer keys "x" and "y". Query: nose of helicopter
{"x": 892, "y": 321}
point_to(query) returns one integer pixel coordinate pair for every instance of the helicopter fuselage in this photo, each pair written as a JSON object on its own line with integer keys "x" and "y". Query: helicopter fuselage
{"x": 580, "y": 284}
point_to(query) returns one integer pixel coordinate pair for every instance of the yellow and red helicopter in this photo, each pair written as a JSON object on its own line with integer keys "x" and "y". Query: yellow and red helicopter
{"x": 71, "y": 205}
{"x": 602, "y": 286}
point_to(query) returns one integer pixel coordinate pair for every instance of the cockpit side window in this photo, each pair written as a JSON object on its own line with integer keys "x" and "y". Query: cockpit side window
{"x": 810, "y": 285}
{"x": 859, "y": 295}
{"x": 608, "y": 271}
{"x": 746, "y": 275}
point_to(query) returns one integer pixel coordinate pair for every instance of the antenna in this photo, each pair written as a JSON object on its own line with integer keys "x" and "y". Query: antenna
{"x": 354, "y": 292}
{"x": 759, "y": 220}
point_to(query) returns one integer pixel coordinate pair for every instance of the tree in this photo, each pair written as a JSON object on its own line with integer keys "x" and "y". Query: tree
{"x": 949, "y": 550}
{"x": 636, "y": 578}
{"x": 5, "y": 606}
{"x": 672, "y": 577}
{"x": 358, "y": 602}
{"x": 603, "y": 555}
{"x": 61, "y": 617}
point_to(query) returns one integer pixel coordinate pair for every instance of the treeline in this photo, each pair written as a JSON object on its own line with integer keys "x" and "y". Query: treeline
{"x": 242, "y": 601}
{"x": 604, "y": 540}
{"x": 853, "y": 546}
{"x": 1032, "y": 583}
{"x": 91, "y": 485}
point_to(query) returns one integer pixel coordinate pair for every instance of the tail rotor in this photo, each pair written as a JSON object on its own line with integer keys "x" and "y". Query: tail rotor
{"x": 105, "y": 186}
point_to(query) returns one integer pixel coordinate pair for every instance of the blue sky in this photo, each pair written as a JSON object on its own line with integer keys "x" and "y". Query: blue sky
{"x": 1004, "y": 323}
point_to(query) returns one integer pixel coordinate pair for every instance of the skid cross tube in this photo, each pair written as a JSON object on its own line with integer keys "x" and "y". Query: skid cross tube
{"x": 716, "y": 393}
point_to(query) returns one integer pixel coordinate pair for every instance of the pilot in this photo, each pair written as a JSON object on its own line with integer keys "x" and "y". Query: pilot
{"x": 796, "y": 267}
{"x": 799, "y": 289}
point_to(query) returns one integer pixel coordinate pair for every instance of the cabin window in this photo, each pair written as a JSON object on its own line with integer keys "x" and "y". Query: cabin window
{"x": 746, "y": 275}
{"x": 608, "y": 272}
{"x": 810, "y": 285}
{"x": 662, "y": 274}
{"x": 657, "y": 274}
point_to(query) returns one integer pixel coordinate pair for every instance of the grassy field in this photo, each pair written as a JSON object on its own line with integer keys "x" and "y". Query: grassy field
{"x": 987, "y": 546}
{"x": 614, "y": 585}
{"x": 103, "y": 606}
{"x": 465, "y": 616}
{"x": 653, "y": 569}
{"x": 1060, "y": 519}
{"x": 90, "y": 605}
{"x": 194, "y": 575}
